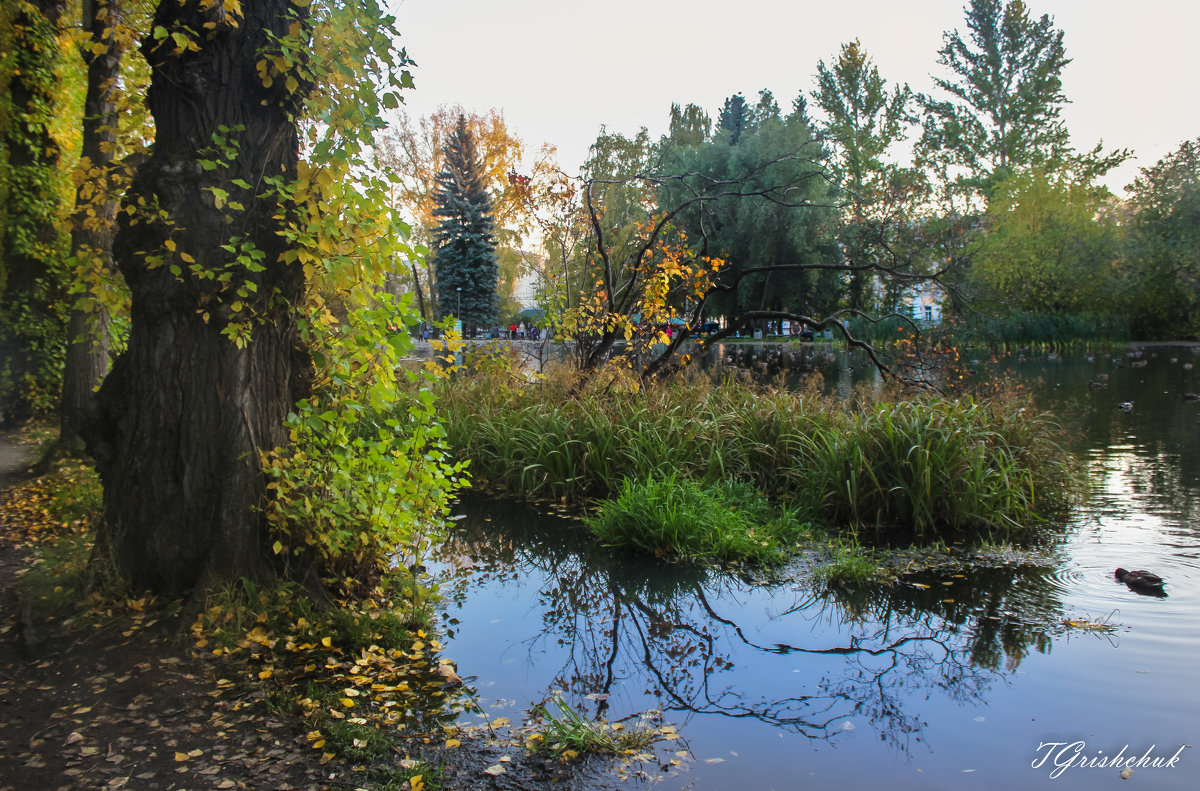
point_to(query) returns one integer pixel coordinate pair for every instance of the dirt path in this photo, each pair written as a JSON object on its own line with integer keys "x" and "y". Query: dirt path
{"x": 14, "y": 458}
{"x": 87, "y": 706}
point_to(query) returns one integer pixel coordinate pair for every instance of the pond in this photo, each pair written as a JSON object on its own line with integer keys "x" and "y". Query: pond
{"x": 989, "y": 670}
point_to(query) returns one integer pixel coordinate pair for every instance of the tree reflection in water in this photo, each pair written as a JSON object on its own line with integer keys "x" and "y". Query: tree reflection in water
{"x": 689, "y": 637}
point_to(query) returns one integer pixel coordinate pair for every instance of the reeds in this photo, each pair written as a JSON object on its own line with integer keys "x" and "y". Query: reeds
{"x": 930, "y": 465}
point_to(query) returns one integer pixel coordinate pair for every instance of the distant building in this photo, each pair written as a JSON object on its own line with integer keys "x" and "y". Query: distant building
{"x": 923, "y": 303}
{"x": 527, "y": 287}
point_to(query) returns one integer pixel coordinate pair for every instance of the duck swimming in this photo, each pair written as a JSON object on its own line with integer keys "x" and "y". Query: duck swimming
{"x": 1140, "y": 580}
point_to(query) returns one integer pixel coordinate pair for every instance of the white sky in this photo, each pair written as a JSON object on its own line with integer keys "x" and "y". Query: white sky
{"x": 558, "y": 69}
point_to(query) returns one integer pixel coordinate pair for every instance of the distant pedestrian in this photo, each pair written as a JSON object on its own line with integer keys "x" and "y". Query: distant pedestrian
{"x": 512, "y": 331}
{"x": 521, "y": 331}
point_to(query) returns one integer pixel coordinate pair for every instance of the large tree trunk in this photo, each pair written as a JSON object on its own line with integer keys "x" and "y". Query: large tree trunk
{"x": 86, "y": 360}
{"x": 185, "y": 411}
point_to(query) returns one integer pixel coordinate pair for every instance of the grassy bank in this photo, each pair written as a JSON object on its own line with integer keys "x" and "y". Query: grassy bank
{"x": 933, "y": 467}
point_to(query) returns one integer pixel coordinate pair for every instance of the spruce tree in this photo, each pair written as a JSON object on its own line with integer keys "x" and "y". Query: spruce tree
{"x": 734, "y": 118}
{"x": 464, "y": 255}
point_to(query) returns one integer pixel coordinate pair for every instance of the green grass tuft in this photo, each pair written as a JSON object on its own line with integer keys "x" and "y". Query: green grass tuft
{"x": 565, "y": 734}
{"x": 678, "y": 518}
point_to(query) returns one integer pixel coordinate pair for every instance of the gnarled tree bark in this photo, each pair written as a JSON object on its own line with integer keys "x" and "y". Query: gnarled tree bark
{"x": 185, "y": 412}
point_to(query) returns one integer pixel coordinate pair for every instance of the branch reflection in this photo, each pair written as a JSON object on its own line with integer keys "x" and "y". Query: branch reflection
{"x": 706, "y": 643}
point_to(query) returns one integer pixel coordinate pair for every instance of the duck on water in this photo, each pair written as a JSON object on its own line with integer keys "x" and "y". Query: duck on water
{"x": 1141, "y": 581}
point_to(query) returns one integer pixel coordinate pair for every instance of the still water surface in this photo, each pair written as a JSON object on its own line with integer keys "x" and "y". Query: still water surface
{"x": 953, "y": 678}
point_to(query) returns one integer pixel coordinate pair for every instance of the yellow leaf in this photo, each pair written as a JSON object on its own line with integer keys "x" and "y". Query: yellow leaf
{"x": 327, "y": 642}
{"x": 187, "y": 257}
{"x": 416, "y": 783}
{"x": 452, "y": 743}
{"x": 347, "y": 702}
{"x": 181, "y": 756}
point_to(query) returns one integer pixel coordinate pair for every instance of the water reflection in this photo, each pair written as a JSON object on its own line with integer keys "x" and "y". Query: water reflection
{"x": 619, "y": 633}
{"x": 937, "y": 673}
{"x": 1149, "y": 456}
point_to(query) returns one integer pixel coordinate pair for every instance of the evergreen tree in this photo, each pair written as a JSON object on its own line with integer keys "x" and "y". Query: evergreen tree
{"x": 735, "y": 118}
{"x": 464, "y": 255}
{"x": 766, "y": 109}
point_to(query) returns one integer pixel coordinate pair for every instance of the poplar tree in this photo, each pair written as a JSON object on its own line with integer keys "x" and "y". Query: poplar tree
{"x": 863, "y": 121}
{"x": 1005, "y": 95}
{"x": 464, "y": 254}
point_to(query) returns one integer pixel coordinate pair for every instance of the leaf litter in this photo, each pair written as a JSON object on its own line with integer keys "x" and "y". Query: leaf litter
{"x": 111, "y": 695}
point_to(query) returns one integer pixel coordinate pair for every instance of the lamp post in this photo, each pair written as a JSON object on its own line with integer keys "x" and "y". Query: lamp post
{"x": 458, "y": 311}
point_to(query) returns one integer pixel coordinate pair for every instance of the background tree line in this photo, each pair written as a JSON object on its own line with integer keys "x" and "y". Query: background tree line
{"x": 976, "y": 185}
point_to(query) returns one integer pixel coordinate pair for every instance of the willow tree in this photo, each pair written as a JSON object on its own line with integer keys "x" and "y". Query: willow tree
{"x": 221, "y": 230}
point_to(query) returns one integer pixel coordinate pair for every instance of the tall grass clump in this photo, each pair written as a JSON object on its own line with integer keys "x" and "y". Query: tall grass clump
{"x": 928, "y": 465}
{"x": 937, "y": 465}
{"x": 676, "y": 517}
